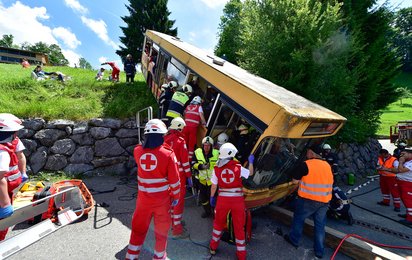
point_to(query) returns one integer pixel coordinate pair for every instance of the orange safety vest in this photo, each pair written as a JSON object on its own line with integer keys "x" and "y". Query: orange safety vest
{"x": 317, "y": 184}
{"x": 388, "y": 163}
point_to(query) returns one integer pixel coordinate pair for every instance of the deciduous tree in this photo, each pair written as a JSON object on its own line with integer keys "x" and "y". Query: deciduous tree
{"x": 229, "y": 32}
{"x": 7, "y": 41}
{"x": 84, "y": 64}
{"x": 402, "y": 26}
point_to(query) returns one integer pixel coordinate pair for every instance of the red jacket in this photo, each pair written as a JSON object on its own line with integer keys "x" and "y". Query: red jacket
{"x": 11, "y": 149}
{"x": 229, "y": 179}
{"x": 157, "y": 172}
{"x": 192, "y": 115}
{"x": 176, "y": 141}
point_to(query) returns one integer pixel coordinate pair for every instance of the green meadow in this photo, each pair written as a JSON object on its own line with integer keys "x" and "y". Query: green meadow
{"x": 80, "y": 98}
{"x": 399, "y": 110}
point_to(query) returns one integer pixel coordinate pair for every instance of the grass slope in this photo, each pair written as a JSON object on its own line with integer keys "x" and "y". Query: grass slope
{"x": 80, "y": 98}
{"x": 399, "y": 110}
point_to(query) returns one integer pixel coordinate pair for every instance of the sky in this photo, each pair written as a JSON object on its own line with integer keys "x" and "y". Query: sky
{"x": 91, "y": 29}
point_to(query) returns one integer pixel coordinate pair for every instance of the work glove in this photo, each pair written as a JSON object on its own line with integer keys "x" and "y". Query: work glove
{"x": 174, "y": 203}
{"x": 251, "y": 158}
{"x": 189, "y": 182}
{"x": 213, "y": 202}
{"x": 6, "y": 211}
{"x": 24, "y": 177}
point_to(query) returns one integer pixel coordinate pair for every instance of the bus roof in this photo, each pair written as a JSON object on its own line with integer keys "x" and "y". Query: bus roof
{"x": 264, "y": 99}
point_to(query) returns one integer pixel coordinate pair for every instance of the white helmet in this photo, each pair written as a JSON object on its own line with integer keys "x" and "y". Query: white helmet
{"x": 208, "y": 140}
{"x": 326, "y": 147}
{"x": 173, "y": 84}
{"x": 177, "y": 124}
{"x": 8, "y": 116}
{"x": 7, "y": 125}
{"x": 187, "y": 89}
{"x": 164, "y": 86}
{"x": 155, "y": 126}
{"x": 402, "y": 144}
{"x": 196, "y": 100}
{"x": 222, "y": 138}
{"x": 227, "y": 150}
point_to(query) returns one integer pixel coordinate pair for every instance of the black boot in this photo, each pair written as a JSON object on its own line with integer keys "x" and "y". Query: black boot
{"x": 208, "y": 211}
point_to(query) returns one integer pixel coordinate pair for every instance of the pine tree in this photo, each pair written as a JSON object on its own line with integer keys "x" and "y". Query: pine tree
{"x": 144, "y": 15}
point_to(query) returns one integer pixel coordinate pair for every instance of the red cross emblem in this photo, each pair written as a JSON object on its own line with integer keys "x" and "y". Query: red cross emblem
{"x": 228, "y": 176}
{"x": 148, "y": 162}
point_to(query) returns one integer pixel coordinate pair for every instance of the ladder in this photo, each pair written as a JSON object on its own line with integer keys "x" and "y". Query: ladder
{"x": 66, "y": 202}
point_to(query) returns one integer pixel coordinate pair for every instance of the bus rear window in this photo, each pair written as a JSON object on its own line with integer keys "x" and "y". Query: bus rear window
{"x": 319, "y": 128}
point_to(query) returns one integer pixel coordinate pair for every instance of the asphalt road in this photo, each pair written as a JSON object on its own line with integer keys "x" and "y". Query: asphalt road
{"x": 105, "y": 233}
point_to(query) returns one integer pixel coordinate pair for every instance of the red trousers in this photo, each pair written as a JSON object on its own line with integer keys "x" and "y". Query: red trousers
{"x": 177, "y": 211}
{"x": 190, "y": 135}
{"x": 145, "y": 211}
{"x": 389, "y": 186}
{"x": 236, "y": 205}
{"x": 11, "y": 185}
{"x": 405, "y": 188}
{"x": 115, "y": 74}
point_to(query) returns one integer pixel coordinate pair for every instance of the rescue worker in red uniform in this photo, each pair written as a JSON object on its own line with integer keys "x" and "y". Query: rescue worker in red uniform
{"x": 387, "y": 181}
{"x": 227, "y": 175}
{"x": 175, "y": 140}
{"x": 10, "y": 176}
{"x": 19, "y": 147}
{"x": 158, "y": 190}
{"x": 404, "y": 179}
{"x": 193, "y": 118}
{"x": 115, "y": 70}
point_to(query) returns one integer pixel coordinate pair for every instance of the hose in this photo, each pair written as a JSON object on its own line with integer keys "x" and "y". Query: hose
{"x": 368, "y": 241}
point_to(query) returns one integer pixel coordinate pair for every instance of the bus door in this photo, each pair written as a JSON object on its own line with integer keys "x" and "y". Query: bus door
{"x": 145, "y": 57}
{"x": 151, "y": 67}
{"x": 160, "y": 73}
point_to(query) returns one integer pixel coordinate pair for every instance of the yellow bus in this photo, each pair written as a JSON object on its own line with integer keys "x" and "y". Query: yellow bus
{"x": 259, "y": 116}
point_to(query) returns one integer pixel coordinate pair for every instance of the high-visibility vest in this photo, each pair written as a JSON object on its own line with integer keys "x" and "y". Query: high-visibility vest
{"x": 317, "y": 184}
{"x": 388, "y": 163}
{"x": 177, "y": 105}
{"x": 192, "y": 115}
{"x": 205, "y": 176}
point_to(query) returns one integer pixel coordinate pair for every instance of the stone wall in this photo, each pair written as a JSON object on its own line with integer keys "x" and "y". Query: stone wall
{"x": 98, "y": 146}
{"x": 105, "y": 146}
{"x": 359, "y": 159}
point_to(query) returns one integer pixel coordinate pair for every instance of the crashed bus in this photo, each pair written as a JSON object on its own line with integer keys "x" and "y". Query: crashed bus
{"x": 280, "y": 124}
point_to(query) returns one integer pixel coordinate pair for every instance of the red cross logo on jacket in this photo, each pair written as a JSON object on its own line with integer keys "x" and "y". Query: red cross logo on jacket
{"x": 228, "y": 176}
{"x": 148, "y": 162}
